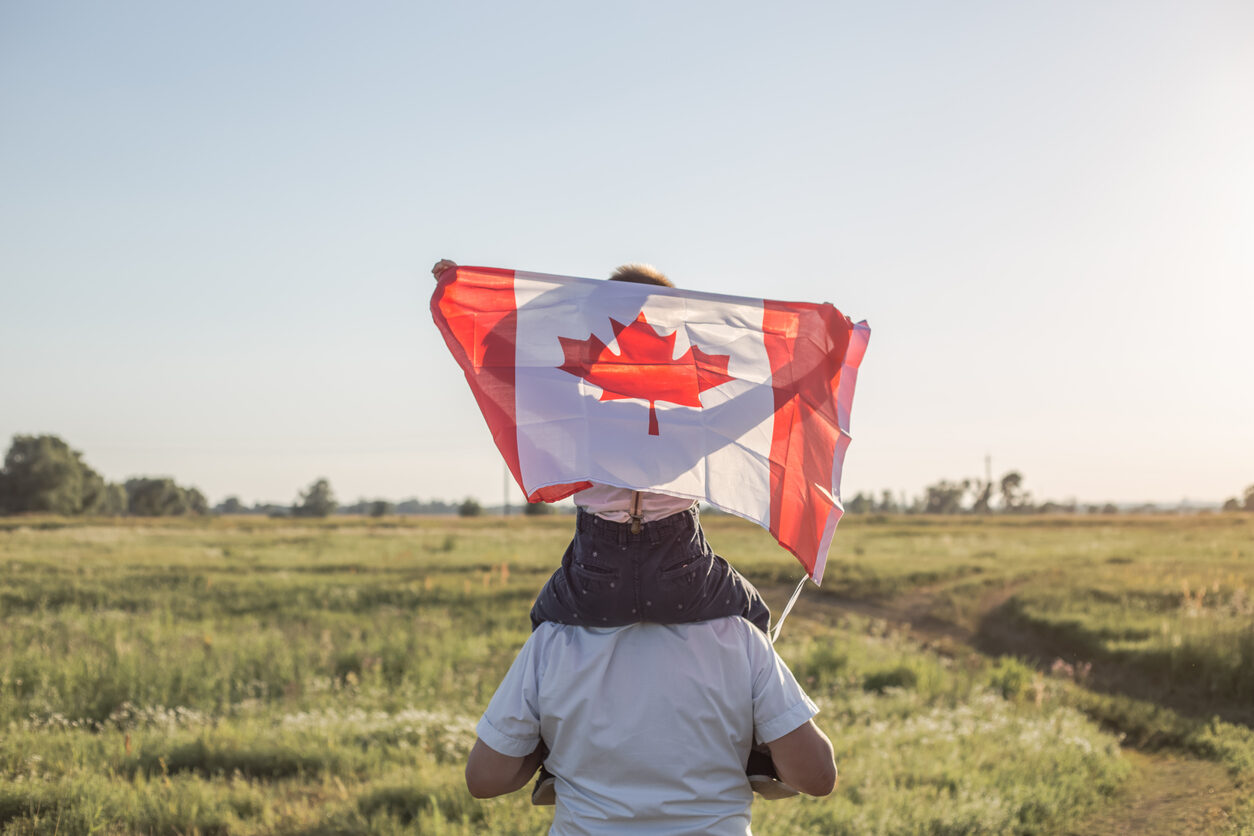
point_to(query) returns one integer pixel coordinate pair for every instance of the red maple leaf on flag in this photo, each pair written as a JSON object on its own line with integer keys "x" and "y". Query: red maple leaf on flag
{"x": 645, "y": 367}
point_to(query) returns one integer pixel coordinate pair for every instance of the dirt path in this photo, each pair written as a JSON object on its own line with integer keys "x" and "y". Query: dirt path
{"x": 1167, "y": 794}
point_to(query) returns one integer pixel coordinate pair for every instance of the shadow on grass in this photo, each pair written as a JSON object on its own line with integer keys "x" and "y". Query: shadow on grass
{"x": 1196, "y": 688}
{"x": 193, "y": 600}
{"x": 20, "y": 802}
{"x": 389, "y": 807}
{"x": 262, "y": 762}
{"x": 407, "y": 803}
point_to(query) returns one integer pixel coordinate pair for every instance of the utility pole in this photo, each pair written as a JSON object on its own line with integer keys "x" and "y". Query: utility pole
{"x": 505, "y": 490}
{"x": 986, "y": 495}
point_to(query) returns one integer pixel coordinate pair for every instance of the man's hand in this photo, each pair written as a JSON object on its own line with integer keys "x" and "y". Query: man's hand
{"x": 442, "y": 265}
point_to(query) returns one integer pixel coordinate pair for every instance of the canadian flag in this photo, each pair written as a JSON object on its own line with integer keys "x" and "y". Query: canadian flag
{"x": 741, "y": 403}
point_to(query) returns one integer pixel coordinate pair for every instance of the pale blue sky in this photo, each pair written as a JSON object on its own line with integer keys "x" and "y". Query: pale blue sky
{"x": 216, "y": 222}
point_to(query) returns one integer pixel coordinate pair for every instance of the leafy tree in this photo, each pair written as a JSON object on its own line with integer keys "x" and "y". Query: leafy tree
{"x": 1013, "y": 497}
{"x": 537, "y": 509}
{"x": 431, "y": 506}
{"x": 1249, "y": 498}
{"x": 42, "y": 473}
{"x": 469, "y": 508}
{"x": 945, "y": 497}
{"x": 1110, "y": 508}
{"x": 115, "y": 503}
{"x": 981, "y": 496}
{"x": 888, "y": 505}
{"x": 317, "y": 501}
{"x": 860, "y": 504}
{"x": 196, "y": 502}
{"x": 149, "y": 496}
{"x": 381, "y": 508}
{"x": 1232, "y": 505}
{"x": 231, "y": 505}
{"x": 95, "y": 492}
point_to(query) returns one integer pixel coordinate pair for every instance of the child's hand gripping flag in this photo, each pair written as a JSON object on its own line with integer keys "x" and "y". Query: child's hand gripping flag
{"x": 741, "y": 403}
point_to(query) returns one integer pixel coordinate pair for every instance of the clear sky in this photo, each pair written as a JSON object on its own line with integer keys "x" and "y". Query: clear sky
{"x": 217, "y": 221}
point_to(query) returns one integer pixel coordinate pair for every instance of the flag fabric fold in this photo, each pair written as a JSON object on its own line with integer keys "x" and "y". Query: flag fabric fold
{"x": 738, "y": 402}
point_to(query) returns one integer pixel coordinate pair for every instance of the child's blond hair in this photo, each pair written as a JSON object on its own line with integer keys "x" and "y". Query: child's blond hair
{"x": 640, "y": 274}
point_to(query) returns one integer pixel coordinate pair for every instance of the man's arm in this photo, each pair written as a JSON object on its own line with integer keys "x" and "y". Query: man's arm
{"x": 803, "y": 758}
{"x": 489, "y": 773}
{"x": 508, "y": 747}
{"x": 782, "y": 719}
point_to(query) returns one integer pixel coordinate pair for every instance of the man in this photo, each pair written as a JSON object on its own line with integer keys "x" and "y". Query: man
{"x": 649, "y": 726}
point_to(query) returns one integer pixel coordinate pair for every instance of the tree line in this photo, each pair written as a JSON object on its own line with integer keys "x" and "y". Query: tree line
{"x": 318, "y": 500}
{"x": 1002, "y": 496}
{"x": 43, "y": 474}
{"x": 967, "y": 496}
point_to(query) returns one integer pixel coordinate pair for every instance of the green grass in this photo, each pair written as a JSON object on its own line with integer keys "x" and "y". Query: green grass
{"x": 244, "y": 676}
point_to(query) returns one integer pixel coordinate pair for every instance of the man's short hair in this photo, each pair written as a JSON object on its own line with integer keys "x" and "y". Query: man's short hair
{"x": 641, "y": 274}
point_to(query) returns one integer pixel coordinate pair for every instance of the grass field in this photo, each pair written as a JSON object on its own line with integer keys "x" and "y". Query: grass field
{"x": 245, "y": 676}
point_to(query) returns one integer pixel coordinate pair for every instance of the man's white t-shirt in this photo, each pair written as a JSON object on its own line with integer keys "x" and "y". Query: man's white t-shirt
{"x": 649, "y": 726}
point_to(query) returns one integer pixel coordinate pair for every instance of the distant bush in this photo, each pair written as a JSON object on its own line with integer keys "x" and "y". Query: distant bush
{"x": 317, "y": 501}
{"x": 230, "y": 505}
{"x": 149, "y": 496}
{"x": 1013, "y": 679}
{"x": 901, "y": 676}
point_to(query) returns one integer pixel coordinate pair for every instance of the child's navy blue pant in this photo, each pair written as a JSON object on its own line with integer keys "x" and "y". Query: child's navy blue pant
{"x": 667, "y": 574}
